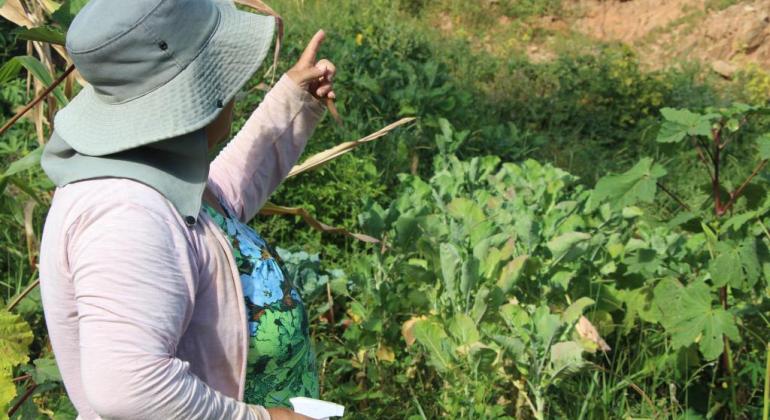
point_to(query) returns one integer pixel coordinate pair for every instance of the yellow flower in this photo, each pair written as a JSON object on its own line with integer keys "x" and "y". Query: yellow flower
{"x": 359, "y": 39}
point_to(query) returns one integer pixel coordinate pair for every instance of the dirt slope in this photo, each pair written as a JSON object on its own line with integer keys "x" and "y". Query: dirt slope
{"x": 667, "y": 31}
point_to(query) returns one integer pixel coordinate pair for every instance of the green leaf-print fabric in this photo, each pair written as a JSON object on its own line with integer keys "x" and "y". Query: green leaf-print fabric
{"x": 281, "y": 362}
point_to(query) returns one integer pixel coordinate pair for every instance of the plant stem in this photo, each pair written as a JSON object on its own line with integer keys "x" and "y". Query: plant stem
{"x": 331, "y": 302}
{"x": 727, "y": 357}
{"x": 673, "y": 196}
{"x": 22, "y": 378}
{"x": 719, "y": 210}
{"x": 737, "y": 193}
{"x": 21, "y": 401}
{"x": 22, "y": 295}
{"x": 766, "y": 405}
{"x": 35, "y": 101}
{"x": 705, "y": 148}
{"x": 702, "y": 157}
{"x": 715, "y": 179}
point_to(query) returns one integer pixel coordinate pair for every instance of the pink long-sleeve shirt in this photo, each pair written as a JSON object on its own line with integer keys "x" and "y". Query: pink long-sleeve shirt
{"x": 145, "y": 314}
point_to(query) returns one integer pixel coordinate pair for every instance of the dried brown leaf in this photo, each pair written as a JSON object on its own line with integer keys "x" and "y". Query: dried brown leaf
{"x": 587, "y": 331}
{"x": 14, "y": 11}
{"x": 321, "y": 158}
{"x": 407, "y": 329}
{"x": 29, "y": 232}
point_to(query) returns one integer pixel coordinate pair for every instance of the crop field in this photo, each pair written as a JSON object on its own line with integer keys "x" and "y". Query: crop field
{"x": 562, "y": 230}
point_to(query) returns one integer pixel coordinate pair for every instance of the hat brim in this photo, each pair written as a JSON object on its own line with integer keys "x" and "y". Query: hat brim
{"x": 188, "y": 102}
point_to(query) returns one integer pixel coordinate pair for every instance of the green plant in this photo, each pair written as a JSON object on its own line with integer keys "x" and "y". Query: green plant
{"x": 500, "y": 261}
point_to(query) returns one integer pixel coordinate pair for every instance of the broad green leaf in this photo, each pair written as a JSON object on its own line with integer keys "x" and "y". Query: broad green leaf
{"x": 469, "y": 276}
{"x": 644, "y": 261}
{"x": 65, "y": 14}
{"x": 45, "y": 370}
{"x": 639, "y": 306}
{"x": 680, "y": 123}
{"x": 637, "y": 185}
{"x": 562, "y": 278}
{"x": 42, "y": 33}
{"x": 31, "y": 160}
{"x": 12, "y": 67}
{"x": 566, "y": 358}
{"x": 512, "y": 345}
{"x": 681, "y": 219}
{"x": 482, "y": 356}
{"x": 463, "y": 329}
{"x": 517, "y": 318}
{"x": 481, "y": 303}
{"x": 15, "y": 338}
{"x": 736, "y": 265}
{"x": 546, "y": 325}
{"x": 431, "y": 335}
{"x": 763, "y": 144}
{"x": 464, "y": 209}
{"x": 575, "y": 310}
{"x": 491, "y": 258}
{"x": 7, "y": 391}
{"x": 372, "y": 221}
{"x": 632, "y": 211}
{"x": 511, "y": 273}
{"x": 737, "y": 221}
{"x": 450, "y": 264}
{"x": 407, "y": 228}
{"x": 568, "y": 246}
{"x": 689, "y": 316}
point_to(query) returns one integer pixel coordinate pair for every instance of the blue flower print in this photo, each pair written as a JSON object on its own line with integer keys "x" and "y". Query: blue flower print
{"x": 249, "y": 248}
{"x": 280, "y": 362}
{"x": 231, "y": 228}
{"x": 268, "y": 290}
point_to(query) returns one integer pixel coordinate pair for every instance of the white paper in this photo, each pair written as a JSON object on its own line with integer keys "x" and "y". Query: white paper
{"x": 316, "y": 409}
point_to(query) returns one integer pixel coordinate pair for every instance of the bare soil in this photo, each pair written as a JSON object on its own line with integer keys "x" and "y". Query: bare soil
{"x": 665, "y": 32}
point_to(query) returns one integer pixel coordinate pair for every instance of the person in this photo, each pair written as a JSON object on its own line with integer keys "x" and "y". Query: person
{"x": 160, "y": 301}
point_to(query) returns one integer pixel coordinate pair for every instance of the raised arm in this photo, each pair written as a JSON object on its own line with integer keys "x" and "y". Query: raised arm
{"x": 263, "y": 152}
{"x": 135, "y": 278}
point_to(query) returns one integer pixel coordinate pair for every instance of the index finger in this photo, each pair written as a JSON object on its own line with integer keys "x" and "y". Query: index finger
{"x": 308, "y": 56}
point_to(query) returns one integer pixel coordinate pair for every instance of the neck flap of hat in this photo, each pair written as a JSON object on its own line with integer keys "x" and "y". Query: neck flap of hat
{"x": 177, "y": 168}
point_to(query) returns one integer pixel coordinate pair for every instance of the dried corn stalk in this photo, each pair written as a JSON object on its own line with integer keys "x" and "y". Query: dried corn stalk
{"x": 321, "y": 158}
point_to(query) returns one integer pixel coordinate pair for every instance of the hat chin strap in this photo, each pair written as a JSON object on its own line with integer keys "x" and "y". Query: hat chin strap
{"x": 261, "y": 7}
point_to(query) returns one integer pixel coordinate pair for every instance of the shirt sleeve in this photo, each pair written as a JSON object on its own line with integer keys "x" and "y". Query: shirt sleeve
{"x": 263, "y": 152}
{"x": 134, "y": 276}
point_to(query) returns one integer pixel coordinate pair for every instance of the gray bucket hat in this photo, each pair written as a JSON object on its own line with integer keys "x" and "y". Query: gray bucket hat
{"x": 156, "y": 69}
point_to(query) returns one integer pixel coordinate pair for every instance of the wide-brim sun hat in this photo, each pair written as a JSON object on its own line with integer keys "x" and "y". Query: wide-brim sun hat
{"x": 157, "y": 69}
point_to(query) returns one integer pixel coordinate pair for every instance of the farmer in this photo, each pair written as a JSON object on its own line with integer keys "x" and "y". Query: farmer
{"x": 160, "y": 301}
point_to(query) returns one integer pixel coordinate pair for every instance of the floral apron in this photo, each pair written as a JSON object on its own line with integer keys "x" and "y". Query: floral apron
{"x": 281, "y": 362}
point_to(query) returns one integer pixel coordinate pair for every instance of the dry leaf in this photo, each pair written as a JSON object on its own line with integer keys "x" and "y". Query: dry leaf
{"x": 587, "y": 331}
{"x": 320, "y": 158}
{"x": 407, "y": 329}
{"x": 29, "y": 232}
{"x": 272, "y": 209}
{"x": 385, "y": 354}
{"x": 14, "y": 11}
